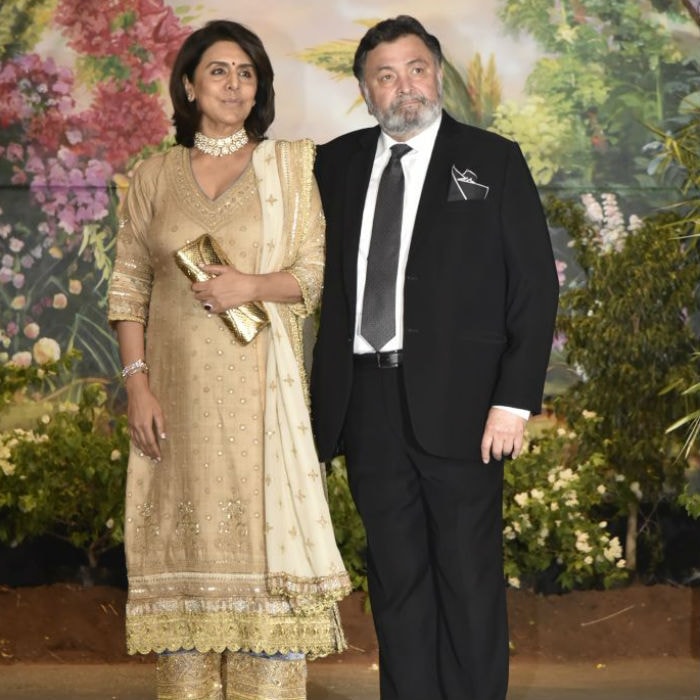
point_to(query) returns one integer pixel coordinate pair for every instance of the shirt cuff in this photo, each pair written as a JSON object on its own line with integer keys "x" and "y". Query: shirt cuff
{"x": 522, "y": 412}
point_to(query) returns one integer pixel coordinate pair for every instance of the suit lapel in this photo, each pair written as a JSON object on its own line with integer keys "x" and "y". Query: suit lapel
{"x": 435, "y": 187}
{"x": 359, "y": 169}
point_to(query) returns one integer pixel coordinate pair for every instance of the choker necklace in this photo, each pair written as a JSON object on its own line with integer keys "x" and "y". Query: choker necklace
{"x": 223, "y": 146}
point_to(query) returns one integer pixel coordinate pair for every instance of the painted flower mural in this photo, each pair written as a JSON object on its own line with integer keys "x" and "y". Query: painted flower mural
{"x": 70, "y": 133}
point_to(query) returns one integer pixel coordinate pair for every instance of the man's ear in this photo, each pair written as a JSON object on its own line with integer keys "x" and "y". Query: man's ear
{"x": 363, "y": 94}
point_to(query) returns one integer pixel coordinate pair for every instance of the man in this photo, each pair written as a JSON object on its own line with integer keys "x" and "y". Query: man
{"x": 426, "y": 397}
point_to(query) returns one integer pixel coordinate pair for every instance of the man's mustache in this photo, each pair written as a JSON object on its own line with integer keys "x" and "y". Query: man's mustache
{"x": 411, "y": 97}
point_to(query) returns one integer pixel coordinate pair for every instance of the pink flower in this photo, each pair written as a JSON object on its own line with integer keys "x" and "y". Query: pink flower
{"x": 21, "y": 359}
{"x": 561, "y": 266}
{"x": 31, "y": 330}
{"x": 60, "y": 301}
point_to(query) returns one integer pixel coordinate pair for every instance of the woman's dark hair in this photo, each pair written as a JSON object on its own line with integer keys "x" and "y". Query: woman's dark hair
{"x": 186, "y": 115}
{"x": 390, "y": 30}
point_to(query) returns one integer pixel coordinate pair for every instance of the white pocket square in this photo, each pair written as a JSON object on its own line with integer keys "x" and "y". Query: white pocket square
{"x": 463, "y": 186}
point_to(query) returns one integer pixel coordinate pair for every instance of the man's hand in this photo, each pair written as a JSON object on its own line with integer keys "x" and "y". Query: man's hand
{"x": 503, "y": 435}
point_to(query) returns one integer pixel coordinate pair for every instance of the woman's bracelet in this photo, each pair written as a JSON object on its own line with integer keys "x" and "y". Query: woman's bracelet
{"x": 134, "y": 368}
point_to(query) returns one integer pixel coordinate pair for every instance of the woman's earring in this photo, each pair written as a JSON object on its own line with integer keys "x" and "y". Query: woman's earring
{"x": 190, "y": 97}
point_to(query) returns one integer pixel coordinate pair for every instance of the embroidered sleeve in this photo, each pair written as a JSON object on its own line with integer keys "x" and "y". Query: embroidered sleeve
{"x": 309, "y": 240}
{"x": 130, "y": 284}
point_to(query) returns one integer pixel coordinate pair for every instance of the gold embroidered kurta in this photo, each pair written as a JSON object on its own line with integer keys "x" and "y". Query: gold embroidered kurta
{"x": 195, "y": 522}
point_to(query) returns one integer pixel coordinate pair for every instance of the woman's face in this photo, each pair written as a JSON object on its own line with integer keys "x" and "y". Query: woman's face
{"x": 224, "y": 86}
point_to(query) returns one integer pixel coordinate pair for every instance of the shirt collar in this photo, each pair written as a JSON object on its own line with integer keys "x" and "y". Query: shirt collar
{"x": 420, "y": 142}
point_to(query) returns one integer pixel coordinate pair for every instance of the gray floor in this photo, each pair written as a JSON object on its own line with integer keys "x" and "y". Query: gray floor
{"x": 646, "y": 679}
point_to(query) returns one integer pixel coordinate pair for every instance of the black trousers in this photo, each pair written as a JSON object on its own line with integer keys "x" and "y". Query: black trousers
{"x": 435, "y": 567}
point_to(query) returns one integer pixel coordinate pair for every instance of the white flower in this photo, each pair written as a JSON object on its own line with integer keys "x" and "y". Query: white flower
{"x": 601, "y": 489}
{"x": 109, "y": 524}
{"x": 46, "y": 350}
{"x": 537, "y": 494}
{"x": 589, "y": 415}
{"x": 636, "y": 490}
{"x": 18, "y": 302}
{"x": 571, "y": 499}
{"x": 514, "y": 581}
{"x": 588, "y": 560}
{"x": 621, "y": 564}
{"x": 116, "y": 454}
{"x": 613, "y": 550}
{"x": 521, "y": 499}
{"x": 582, "y": 542}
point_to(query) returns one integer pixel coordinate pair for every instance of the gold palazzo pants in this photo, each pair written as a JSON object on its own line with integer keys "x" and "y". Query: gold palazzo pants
{"x": 191, "y": 675}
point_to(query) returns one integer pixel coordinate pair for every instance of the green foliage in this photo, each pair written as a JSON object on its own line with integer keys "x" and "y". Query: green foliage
{"x": 336, "y": 57}
{"x": 551, "y": 508}
{"x": 610, "y": 68}
{"x": 629, "y": 338}
{"x": 474, "y": 100}
{"x": 550, "y": 516}
{"x": 21, "y": 25}
{"x": 545, "y": 138}
{"x": 66, "y": 476}
{"x": 347, "y": 525}
{"x": 17, "y": 380}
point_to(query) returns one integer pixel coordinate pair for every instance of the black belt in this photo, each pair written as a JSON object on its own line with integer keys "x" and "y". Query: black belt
{"x": 393, "y": 358}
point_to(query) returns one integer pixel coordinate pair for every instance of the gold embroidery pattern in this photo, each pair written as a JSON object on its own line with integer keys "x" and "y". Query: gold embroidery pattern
{"x": 233, "y": 529}
{"x": 315, "y": 635}
{"x": 256, "y": 678}
{"x": 187, "y": 527}
{"x": 189, "y": 675}
{"x": 214, "y": 214}
{"x": 147, "y": 533}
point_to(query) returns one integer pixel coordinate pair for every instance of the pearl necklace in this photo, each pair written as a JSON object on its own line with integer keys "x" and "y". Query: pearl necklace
{"x": 223, "y": 146}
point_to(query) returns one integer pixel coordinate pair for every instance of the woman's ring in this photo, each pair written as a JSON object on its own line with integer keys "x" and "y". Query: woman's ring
{"x": 207, "y": 306}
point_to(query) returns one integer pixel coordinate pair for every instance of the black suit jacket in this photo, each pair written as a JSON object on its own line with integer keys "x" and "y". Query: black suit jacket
{"x": 480, "y": 293}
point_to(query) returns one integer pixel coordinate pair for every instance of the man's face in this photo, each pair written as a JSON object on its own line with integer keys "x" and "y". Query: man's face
{"x": 402, "y": 86}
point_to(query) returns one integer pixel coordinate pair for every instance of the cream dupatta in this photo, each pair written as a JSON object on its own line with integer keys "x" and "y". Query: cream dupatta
{"x": 303, "y": 561}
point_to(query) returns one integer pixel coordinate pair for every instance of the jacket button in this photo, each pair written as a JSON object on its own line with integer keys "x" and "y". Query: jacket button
{"x": 411, "y": 278}
{"x": 411, "y": 330}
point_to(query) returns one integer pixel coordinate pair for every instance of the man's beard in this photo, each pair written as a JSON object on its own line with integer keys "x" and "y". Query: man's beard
{"x": 396, "y": 121}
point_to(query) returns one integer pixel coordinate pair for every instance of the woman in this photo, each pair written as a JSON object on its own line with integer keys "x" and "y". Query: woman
{"x": 233, "y": 569}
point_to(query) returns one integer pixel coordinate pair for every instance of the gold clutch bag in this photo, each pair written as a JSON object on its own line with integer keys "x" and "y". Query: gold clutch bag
{"x": 244, "y": 321}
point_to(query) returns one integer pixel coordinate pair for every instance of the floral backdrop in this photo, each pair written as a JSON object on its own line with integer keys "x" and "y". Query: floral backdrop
{"x": 581, "y": 84}
{"x": 597, "y": 93}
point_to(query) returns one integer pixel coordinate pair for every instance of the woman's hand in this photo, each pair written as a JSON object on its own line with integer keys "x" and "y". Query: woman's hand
{"x": 227, "y": 289}
{"x": 145, "y": 417}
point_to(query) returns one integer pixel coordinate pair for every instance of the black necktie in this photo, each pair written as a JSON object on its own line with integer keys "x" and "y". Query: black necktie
{"x": 379, "y": 303}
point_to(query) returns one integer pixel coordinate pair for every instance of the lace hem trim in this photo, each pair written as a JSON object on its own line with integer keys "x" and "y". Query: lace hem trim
{"x": 313, "y": 635}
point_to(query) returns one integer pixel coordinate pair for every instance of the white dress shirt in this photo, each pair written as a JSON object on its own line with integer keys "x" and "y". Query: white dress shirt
{"x": 415, "y": 166}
